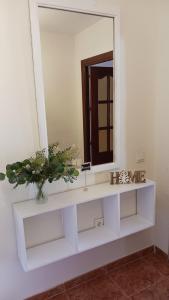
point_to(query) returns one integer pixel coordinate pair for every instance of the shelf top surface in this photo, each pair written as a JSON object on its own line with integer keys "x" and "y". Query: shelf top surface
{"x": 30, "y": 208}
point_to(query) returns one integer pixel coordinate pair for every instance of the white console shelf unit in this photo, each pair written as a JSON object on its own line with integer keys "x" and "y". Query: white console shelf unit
{"x": 71, "y": 204}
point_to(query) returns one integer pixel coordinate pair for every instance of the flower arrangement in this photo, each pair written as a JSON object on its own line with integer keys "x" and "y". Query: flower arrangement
{"x": 42, "y": 168}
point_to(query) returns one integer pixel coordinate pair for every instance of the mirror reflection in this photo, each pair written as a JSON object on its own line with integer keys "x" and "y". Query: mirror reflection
{"x": 77, "y": 61}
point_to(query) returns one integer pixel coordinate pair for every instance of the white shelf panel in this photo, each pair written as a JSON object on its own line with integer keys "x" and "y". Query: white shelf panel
{"x": 111, "y": 197}
{"x": 133, "y": 224}
{"x": 47, "y": 253}
{"x": 30, "y": 208}
{"x": 95, "y": 237}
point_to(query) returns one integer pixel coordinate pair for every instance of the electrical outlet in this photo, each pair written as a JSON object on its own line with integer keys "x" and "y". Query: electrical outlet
{"x": 99, "y": 222}
{"x": 140, "y": 157}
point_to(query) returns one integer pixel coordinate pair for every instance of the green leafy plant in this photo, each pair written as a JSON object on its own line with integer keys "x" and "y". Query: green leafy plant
{"x": 2, "y": 176}
{"x": 41, "y": 168}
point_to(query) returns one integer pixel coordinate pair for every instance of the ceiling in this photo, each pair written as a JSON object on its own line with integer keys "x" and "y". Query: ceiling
{"x": 59, "y": 21}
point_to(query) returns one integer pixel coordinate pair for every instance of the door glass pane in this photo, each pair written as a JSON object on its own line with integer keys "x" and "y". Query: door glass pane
{"x": 111, "y": 88}
{"x": 102, "y": 88}
{"x": 111, "y": 114}
{"x": 111, "y": 139}
{"x": 102, "y": 140}
{"x": 102, "y": 115}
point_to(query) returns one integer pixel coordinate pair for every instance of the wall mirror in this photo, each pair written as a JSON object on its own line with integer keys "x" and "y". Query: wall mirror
{"x": 79, "y": 82}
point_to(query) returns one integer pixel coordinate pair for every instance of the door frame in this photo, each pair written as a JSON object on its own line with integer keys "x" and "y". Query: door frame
{"x": 86, "y": 7}
{"x": 85, "y": 63}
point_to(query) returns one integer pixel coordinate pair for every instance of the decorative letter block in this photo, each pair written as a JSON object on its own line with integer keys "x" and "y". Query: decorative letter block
{"x": 123, "y": 177}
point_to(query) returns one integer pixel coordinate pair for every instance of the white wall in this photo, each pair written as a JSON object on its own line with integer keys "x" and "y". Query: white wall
{"x": 58, "y": 51}
{"x": 18, "y": 130}
{"x": 138, "y": 39}
{"x": 161, "y": 148}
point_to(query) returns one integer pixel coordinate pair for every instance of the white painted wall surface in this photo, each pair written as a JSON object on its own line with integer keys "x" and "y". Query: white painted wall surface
{"x": 161, "y": 149}
{"x": 18, "y": 130}
{"x": 58, "y": 56}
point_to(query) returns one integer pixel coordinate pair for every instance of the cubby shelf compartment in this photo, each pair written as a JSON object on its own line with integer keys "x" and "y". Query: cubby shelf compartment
{"x": 145, "y": 212}
{"x": 76, "y": 211}
{"x": 95, "y": 236}
{"x": 47, "y": 253}
{"x": 50, "y": 250}
{"x": 133, "y": 224}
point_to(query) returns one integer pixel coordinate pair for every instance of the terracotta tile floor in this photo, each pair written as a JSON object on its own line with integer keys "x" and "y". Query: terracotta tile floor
{"x": 137, "y": 278}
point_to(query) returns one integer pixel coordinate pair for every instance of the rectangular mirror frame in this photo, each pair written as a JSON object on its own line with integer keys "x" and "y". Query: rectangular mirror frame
{"x": 38, "y": 76}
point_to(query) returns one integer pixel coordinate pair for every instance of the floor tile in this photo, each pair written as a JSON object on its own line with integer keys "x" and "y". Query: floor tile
{"x": 159, "y": 291}
{"x": 103, "y": 288}
{"x": 135, "y": 276}
{"x": 160, "y": 262}
{"x": 121, "y": 262}
{"x": 38, "y": 297}
{"x": 50, "y": 293}
{"x": 146, "y": 251}
{"x": 59, "y": 297}
{"x": 83, "y": 278}
{"x": 100, "y": 289}
{"x": 130, "y": 258}
{"x": 80, "y": 292}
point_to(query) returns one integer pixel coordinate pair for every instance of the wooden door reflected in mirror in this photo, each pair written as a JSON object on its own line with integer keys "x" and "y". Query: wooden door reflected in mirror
{"x": 97, "y": 79}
